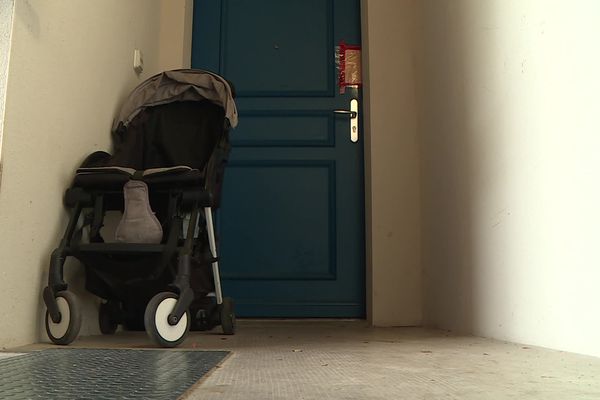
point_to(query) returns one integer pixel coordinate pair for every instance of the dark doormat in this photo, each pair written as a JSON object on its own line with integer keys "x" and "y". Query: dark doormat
{"x": 104, "y": 374}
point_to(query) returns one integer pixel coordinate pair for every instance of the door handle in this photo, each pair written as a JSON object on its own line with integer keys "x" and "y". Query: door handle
{"x": 353, "y": 113}
{"x": 348, "y": 112}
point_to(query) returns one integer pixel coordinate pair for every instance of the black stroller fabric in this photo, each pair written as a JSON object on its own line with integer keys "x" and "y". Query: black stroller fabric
{"x": 188, "y": 133}
{"x": 181, "y": 133}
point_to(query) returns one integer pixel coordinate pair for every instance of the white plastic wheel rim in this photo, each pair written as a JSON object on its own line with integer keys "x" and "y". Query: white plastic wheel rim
{"x": 170, "y": 333}
{"x": 60, "y": 330}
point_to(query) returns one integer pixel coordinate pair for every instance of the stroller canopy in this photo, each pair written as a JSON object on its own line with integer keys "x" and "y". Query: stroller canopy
{"x": 178, "y": 85}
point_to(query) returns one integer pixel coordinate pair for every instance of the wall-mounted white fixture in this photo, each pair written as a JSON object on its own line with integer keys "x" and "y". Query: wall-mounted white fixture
{"x": 138, "y": 61}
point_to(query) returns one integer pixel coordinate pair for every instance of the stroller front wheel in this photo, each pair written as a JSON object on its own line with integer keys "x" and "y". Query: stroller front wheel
{"x": 157, "y": 323}
{"x": 67, "y": 328}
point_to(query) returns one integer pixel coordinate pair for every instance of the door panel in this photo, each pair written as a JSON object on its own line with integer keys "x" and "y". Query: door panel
{"x": 291, "y": 223}
{"x": 285, "y": 187}
{"x": 302, "y": 128}
{"x": 283, "y": 62}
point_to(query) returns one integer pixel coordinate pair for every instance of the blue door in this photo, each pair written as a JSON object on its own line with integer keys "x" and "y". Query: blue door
{"x": 291, "y": 225}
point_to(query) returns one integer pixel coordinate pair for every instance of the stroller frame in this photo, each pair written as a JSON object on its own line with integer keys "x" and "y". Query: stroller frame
{"x": 113, "y": 272}
{"x": 181, "y": 283}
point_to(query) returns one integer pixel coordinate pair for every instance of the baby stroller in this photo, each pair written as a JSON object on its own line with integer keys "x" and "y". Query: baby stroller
{"x": 171, "y": 144}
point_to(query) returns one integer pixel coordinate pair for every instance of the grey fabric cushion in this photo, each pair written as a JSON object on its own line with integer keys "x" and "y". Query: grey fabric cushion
{"x": 138, "y": 224}
{"x": 106, "y": 170}
{"x": 114, "y": 179}
{"x": 178, "y": 169}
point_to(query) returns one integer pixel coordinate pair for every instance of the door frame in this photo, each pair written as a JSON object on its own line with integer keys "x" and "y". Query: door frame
{"x": 383, "y": 262}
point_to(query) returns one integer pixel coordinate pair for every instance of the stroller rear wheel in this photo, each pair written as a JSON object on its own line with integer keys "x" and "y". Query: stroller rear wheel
{"x": 227, "y": 315}
{"x": 106, "y": 319}
{"x": 67, "y": 328}
{"x": 157, "y": 324}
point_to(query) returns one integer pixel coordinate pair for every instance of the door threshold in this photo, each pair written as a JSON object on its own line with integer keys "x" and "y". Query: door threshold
{"x": 296, "y": 319}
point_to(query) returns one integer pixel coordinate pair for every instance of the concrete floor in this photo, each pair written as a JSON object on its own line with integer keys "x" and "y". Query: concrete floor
{"x": 349, "y": 360}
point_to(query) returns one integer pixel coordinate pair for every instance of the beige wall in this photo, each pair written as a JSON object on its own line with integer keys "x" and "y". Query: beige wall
{"x": 175, "y": 34}
{"x": 510, "y": 137}
{"x": 392, "y": 166}
{"x": 70, "y": 68}
{"x": 481, "y": 140}
{"x": 6, "y": 14}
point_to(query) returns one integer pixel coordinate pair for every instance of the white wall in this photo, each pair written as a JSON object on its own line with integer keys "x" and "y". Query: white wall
{"x": 510, "y": 126}
{"x": 394, "y": 287}
{"x": 70, "y": 68}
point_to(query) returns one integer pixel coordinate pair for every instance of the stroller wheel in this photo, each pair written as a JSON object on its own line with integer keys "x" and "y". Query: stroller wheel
{"x": 107, "y": 324}
{"x": 227, "y": 316}
{"x": 156, "y": 321}
{"x": 66, "y": 330}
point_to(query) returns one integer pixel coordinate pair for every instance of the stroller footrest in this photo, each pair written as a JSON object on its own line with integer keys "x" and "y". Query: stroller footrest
{"x": 119, "y": 248}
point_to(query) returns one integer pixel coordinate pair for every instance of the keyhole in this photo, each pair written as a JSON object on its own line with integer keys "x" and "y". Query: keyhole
{"x": 276, "y": 46}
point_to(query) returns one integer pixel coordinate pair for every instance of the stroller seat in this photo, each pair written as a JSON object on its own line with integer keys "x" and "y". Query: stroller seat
{"x": 161, "y": 274}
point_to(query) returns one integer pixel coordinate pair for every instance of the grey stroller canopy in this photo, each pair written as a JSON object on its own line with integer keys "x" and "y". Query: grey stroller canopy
{"x": 178, "y": 85}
